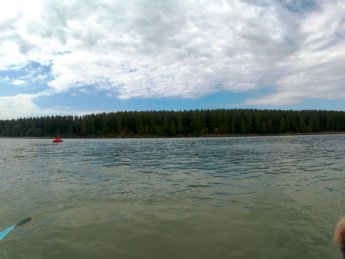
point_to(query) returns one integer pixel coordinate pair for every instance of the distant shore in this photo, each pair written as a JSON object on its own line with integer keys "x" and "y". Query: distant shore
{"x": 179, "y": 137}
{"x": 192, "y": 123}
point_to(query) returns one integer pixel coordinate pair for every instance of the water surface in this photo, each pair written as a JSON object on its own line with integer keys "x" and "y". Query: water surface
{"x": 250, "y": 197}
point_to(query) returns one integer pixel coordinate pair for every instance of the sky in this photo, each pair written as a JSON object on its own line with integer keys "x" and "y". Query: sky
{"x": 75, "y": 57}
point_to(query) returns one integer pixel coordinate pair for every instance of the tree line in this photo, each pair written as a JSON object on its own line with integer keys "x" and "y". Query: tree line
{"x": 177, "y": 123}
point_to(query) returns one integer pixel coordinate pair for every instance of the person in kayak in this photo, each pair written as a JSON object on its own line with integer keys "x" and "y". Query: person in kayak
{"x": 57, "y": 139}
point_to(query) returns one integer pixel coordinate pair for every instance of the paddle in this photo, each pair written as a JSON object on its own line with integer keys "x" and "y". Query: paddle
{"x": 9, "y": 229}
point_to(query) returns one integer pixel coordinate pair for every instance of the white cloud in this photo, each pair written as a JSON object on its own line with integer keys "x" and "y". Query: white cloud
{"x": 23, "y": 106}
{"x": 182, "y": 48}
{"x": 18, "y": 82}
{"x": 172, "y": 49}
{"x": 20, "y": 105}
{"x": 315, "y": 69}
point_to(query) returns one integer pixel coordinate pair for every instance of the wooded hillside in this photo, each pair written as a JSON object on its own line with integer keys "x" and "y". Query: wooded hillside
{"x": 177, "y": 123}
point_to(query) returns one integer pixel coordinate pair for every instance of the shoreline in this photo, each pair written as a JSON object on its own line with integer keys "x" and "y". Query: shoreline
{"x": 181, "y": 137}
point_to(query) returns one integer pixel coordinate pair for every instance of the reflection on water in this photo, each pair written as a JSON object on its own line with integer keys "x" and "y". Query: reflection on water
{"x": 251, "y": 197}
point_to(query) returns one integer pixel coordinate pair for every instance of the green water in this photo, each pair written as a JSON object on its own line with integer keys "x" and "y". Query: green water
{"x": 250, "y": 197}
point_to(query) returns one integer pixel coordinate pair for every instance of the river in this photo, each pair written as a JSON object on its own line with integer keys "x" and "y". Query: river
{"x": 236, "y": 197}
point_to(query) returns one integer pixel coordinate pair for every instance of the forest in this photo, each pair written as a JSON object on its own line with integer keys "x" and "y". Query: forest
{"x": 186, "y": 123}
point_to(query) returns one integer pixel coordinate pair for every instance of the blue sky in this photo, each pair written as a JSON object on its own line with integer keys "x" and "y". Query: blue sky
{"x": 87, "y": 56}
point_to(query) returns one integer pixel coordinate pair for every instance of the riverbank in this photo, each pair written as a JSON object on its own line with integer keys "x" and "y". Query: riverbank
{"x": 180, "y": 137}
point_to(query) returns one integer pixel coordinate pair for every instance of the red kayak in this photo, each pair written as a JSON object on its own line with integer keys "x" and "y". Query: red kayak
{"x": 57, "y": 139}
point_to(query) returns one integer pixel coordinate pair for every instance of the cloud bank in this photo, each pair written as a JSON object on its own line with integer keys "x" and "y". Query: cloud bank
{"x": 183, "y": 49}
